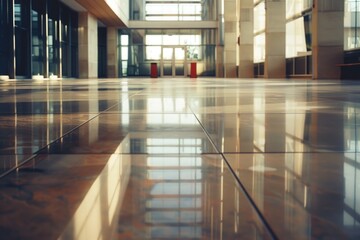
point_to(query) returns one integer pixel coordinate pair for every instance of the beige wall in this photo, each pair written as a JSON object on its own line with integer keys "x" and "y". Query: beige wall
{"x": 88, "y": 45}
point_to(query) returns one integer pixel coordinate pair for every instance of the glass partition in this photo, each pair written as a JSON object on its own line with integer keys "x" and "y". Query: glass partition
{"x": 22, "y": 37}
{"x": 38, "y": 16}
{"x": 139, "y": 48}
{"x": 38, "y": 37}
{"x": 53, "y": 38}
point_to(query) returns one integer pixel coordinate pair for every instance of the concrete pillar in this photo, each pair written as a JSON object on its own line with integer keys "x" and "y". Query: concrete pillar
{"x": 112, "y": 53}
{"x": 246, "y": 39}
{"x": 88, "y": 45}
{"x": 275, "y": 29}
{"x": 230, "y": 38}
{"x": 327, "y": 38}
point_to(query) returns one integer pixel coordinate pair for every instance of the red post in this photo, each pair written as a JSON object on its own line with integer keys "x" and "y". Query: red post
{"x": 153, "y": 70}
{"x": 193, "y": 70}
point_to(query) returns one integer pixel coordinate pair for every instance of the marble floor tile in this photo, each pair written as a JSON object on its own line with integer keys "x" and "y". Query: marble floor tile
{"x": 24, "y": 135}
{"x": 138, "y": 134}
{"x": 275, "y": 132}
{"x": 37, "y": 201}
{"x": 304, "y": 195}
{"x": 143, "y": 158}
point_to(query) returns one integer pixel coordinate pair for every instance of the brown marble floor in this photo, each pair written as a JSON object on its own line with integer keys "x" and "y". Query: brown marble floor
{"x": 179, "y": 159}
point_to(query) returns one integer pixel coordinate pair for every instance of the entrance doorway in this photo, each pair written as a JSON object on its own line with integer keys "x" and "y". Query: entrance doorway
{"x": 173, "y": 61}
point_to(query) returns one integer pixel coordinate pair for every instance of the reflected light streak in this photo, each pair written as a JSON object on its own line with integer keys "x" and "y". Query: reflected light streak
{"x": 88, "y": 222}
{"x": 176, "y": 197}
{"x": 305, "y": 196}
{"x": 125, "y": 118}
{"x": 173, "y": 145}
{"x": 222, "y": 199}
{"x": 169, "y": 105}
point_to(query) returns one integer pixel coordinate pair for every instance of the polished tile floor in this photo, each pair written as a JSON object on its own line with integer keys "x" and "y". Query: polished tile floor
{"x": 179, "y": 159}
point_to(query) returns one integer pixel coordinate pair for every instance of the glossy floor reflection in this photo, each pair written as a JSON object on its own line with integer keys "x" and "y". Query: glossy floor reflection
{"x": 179, "y": 159}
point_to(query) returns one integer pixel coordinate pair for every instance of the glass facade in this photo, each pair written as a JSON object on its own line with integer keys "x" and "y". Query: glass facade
{"x": 38, "y": 21}
{"x": 352, "y": 24}
{"x": 6, "y": 42}
{"x": 22, "y": 40}
{"x": 298, "y": 37}
{"x": 298, "y": 27}
{"x": 44, "y": 36}
{"x": 141, "y": 47}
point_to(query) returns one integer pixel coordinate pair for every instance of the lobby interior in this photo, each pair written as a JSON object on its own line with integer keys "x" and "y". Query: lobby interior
{"x": 262, "y": 144}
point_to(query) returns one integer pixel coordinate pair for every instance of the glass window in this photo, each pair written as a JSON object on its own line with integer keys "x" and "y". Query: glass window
{"x": 145, "y": 47}
{"x": 38, "y": 16}
{"x": 170, "y": 39}
{"x": 351, "y": 24}
{"x": 259, "y": 17}
{"x": 153, "y": 39}
{"x": 153, "y": 52}
{"x": 69, "y": 41}
{"x": 162, "y": 10}
{"x": 295, "y": 38}
{"x": 259, "y": 48}
{"x": 22, "y": 43}
{"x": 124, "y": 40}
{"x": 192, "y": 43}
{"x": 295, "y": 7}
{"x": 124, "y": 54}
{"x": 298, "y": 29}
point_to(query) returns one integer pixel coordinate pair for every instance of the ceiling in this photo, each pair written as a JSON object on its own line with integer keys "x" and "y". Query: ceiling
{"x": 102, "y": 11}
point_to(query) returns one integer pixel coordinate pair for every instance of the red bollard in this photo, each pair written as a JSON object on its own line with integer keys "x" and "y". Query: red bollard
{"x": 153, "y": 70}
{"x": 193, "y": 70}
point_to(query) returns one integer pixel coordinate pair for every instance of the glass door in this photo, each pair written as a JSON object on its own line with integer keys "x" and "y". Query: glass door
{"x": 167, "y": 57}
{"x": 173, "y": 62}
{"x": 179, "y": 61}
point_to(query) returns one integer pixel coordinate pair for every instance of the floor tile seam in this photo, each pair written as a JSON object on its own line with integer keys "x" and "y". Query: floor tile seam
{"x": 118, "y": 102}
{"x": 65, "y": 112}
{"x": 294, "y": 152}
{"x": 126, "y": 154}
{"x": 12, "y": 169}
{"x": 48, "y": 113}
{"x": 299, "y": 112}
{"x": 239, "y": 183}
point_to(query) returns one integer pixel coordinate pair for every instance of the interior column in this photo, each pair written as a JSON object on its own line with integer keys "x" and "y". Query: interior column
{"x": 327, "y": 38}
{"x": 275, "y": 29}
{"x": 246, "y": 39}
{"x": 230, "y": 37}
{"x": 88, "y": 42}
{"x": 112, "y": 53}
